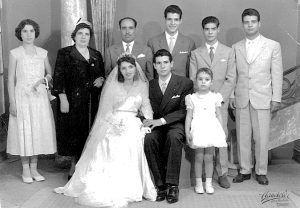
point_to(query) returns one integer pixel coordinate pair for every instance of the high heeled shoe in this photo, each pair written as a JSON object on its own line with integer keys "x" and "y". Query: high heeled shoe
{"x": 27, "y": 180}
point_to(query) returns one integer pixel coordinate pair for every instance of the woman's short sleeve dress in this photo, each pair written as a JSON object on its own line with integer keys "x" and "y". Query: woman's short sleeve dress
{"x": 32, "y": 131}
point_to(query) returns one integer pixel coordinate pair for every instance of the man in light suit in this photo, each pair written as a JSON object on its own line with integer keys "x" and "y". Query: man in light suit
{"x": 257, "y": 93}
{"x": 220, "y": 59}
{"x": 163, "y": 146}
{"x": 177, "y": 44}
{"x": 142, "y": 53}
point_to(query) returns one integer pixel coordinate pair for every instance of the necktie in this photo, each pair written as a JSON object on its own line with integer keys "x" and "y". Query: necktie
{"x": 163, "y": 87}
{"x": 127, "y": 48}
{"x": 171, "y": 44}
{"x": 211, "y": 53}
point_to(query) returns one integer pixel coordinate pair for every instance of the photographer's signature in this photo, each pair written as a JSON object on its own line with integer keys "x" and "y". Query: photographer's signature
{"x": 281, "y": 198}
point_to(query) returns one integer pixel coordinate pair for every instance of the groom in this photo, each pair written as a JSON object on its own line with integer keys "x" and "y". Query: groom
{"x": 163, "y": 146}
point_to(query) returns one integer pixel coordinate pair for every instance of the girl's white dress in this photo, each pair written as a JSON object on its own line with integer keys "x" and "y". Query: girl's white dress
{"x": 32, "y": 131}
{"x": 206, "y": 130}
{"x": 113, "y": 169}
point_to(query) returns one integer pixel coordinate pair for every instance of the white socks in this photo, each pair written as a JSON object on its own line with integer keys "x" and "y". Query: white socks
{"x": 208, "y": 186}
{"x": 199, "y": 186}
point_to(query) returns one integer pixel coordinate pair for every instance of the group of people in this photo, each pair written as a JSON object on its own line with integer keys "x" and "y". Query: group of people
{"x": 154, "y": 100}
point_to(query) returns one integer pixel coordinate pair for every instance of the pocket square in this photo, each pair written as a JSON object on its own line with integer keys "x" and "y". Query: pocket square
{"x": 175, "y": 96}
{"x": 183, "y": 51}
{"x": 223, "y": 60}
{"x": 141, "y": 55}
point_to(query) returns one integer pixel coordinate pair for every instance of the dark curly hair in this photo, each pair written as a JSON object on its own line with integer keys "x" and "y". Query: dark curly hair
{"x": 22, "y": 24}
{"x": 129, "y": 59}
{"x": 79, "y": 27}
{"x": 206, "y": 71}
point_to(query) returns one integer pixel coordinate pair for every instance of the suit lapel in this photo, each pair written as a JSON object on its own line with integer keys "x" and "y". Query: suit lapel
{"x": 178, "y": 45}
{"x": 204, "y": 54}
{"x": 171, "y": 88}
{"x": 260, "y": 48}
{"x": 119, "y": 48}
{"x": 242, "y": 49}
{"x": 135, "y": 49}
{"x": 76, "y": 54}
{"x": 163, "y": 42}
{"x": 158, "y": 94}
{"x": 218, "y": 53}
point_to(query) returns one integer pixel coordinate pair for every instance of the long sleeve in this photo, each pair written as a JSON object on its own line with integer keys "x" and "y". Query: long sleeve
{"x": 146, "y": 106}
{"x": 149, "y": 65}
{"x": 277, "y": 73}
{"x": 108, "y": 62}
{"x": 230, "y": 78}
{"x": 193, "y": 66}
{"x": 59, "y": 79}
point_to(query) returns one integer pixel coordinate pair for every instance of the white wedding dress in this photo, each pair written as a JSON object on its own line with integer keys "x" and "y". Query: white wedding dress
{"x": 113, "y": 169}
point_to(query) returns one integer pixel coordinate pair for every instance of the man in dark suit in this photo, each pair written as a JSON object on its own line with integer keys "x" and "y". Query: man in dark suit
{"x": 128, "y": 44}
{"x": 179, "y": 45}
{"x": 163, "y": 146}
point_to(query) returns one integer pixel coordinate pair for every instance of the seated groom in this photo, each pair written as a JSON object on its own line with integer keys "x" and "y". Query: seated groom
{"x": 142, "y": 53}
{"x": 163, "y": 146}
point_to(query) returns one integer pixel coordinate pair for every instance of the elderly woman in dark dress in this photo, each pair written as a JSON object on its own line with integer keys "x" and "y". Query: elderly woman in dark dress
{"x": 78, "y": 77}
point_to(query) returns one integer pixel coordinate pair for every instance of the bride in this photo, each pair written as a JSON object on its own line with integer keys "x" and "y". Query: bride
{"x": 113, "y": 169}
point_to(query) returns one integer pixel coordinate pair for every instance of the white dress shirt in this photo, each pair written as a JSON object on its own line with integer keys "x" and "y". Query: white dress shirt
{"x": 130, "y": 46}
{"x": 169, "y": 39}
{"x": 252, "y": 47}
{"x": 214, "y": 45}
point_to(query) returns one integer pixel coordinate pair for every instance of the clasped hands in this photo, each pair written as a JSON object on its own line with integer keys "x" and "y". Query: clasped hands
{"x": 152, "y": 123}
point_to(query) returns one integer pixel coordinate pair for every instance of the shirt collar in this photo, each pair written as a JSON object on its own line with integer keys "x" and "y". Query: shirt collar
{"x": 167, "y": 80}
{"x": 254, "y": 41}
{"x": 214, "y": 45}
{"x": 168, "y": 36}
{"x": 125, "y": 45}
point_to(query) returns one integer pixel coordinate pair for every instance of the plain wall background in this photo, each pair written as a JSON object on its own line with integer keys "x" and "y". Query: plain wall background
{"x": 279, "y": 19}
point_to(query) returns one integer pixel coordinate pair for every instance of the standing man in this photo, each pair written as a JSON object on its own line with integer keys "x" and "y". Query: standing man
{"x": 163, "y": 146}
{"x": 142, "y": 53}
{"x": 220, "y": 59}
{"x": 177, "y": 44}
{"x": 257, "y": 93}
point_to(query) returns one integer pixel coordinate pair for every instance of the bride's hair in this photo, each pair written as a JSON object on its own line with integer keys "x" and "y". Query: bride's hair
{"x": 126, "y": 58}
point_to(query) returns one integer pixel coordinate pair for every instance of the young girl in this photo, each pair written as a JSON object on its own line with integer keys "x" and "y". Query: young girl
{"x": 203, "y": 127}
{"x": 31, "y": 125}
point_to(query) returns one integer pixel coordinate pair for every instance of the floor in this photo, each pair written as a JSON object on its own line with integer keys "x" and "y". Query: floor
{"x": 283, "y": 191}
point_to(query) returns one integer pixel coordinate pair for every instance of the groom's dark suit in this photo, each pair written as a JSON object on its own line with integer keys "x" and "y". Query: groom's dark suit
{"x": 163, "y": 146}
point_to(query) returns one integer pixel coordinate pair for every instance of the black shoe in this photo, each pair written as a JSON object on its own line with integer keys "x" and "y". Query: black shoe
{"x": 262, "y": 179}
{"x": 241, "y": 177}
{"x": 223, "y": 182}
{"x": 161, "y": 193}
{"x": 173, "y": 194}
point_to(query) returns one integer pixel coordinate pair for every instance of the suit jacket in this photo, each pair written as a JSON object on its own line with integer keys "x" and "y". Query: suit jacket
{"x": 260, "y": 81}
{"x": 223, "y": 67}
{"x": 171, "y": 104}
{"x": 181, "y": 51}
{"x": 142, "y": 53}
